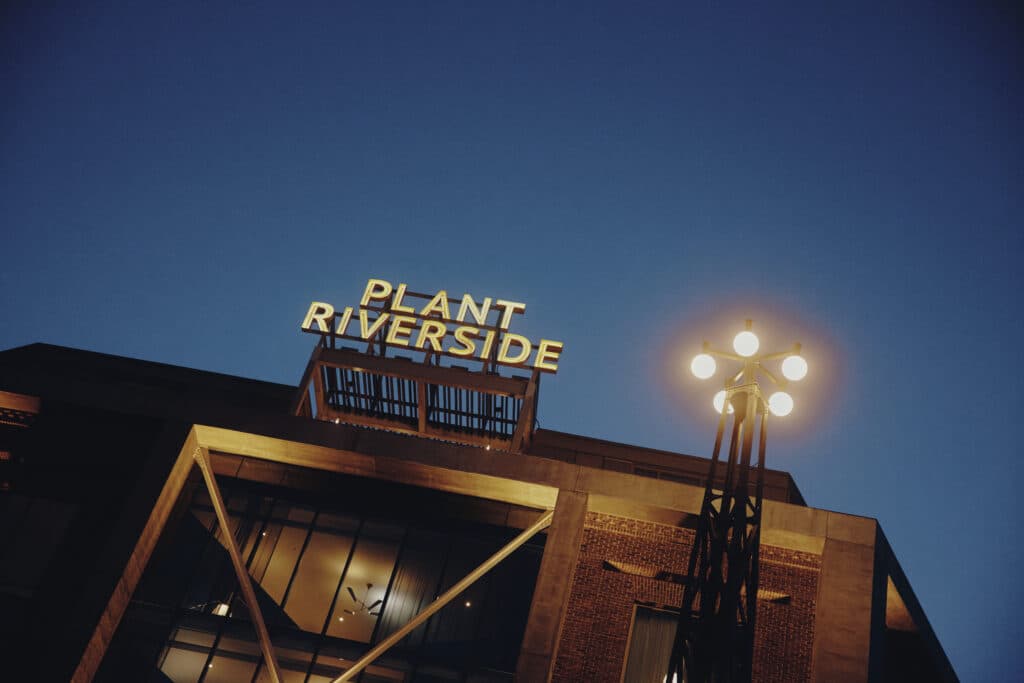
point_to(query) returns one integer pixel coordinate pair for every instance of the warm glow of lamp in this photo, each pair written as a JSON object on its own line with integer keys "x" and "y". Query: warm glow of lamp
{"x": 780, "y": 403}
{"x": 719, "y": 402}
{"x": 794, "y": 368}
{"x": 746, "y": 343}
{"x": 703, "y": 366}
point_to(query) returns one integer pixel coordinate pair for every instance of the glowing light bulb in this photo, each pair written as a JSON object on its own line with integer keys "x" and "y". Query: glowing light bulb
{"x": 780, "y": 403}
{"x": 746, "y": 343}
{"x": 719, "y": 402}
{"x": 703, "y": 366}
{"x": 794, "y": 368}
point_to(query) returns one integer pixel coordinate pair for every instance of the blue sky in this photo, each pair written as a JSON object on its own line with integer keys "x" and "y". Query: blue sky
{"x": 179, "y": 181}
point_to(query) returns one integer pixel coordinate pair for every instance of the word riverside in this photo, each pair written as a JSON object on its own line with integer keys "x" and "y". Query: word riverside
{"x": 433, "y": 326}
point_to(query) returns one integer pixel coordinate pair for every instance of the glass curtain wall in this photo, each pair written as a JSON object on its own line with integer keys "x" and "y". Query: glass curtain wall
{"x": 330, "y": 582}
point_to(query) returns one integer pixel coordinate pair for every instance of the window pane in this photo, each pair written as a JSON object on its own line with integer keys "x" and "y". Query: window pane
{"x": 183, "y": 666}
{"x": 317, "y": 579}
{"x": 300, "y": 514}
{"x": 282, "y": 562}
{"x": 650, "y": 645}
{"x": 227, "y": 669}
{"x": 187, "y": 635}
{"x": 368, "y": 575}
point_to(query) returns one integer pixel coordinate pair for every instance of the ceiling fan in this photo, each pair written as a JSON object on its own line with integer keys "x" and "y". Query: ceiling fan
{"x": 361, "y": 604}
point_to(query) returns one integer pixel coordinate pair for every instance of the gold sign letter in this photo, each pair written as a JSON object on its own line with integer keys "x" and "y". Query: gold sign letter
{"x": 485, "y": 350}
{"x": 524, "y": 351}
{"x": 469, "y": 306}
{"x": 343, "y": 321}
{"x": 321, "y": 313}
{"x": 464, "y": 335}
{"x": 376, "y": 290}
{"x": 509, "y": 307}
{"x": 396, "y": 303}
{"x": 548, "y": 351}
{"x": 432, "y": 330}
{"x": 397, "y": 333}
{"x": 439, "y": 304}
{"x": 368, "y": 330}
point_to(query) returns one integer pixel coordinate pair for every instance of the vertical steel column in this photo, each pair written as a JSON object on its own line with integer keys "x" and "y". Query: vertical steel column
{"x": 715, "y": 636}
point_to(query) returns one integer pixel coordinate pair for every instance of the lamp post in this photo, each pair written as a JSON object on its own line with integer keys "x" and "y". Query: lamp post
{"x": 715, "y": 637}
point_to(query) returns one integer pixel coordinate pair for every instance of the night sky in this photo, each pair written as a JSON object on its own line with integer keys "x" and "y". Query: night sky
{"x": 180, "y": 181}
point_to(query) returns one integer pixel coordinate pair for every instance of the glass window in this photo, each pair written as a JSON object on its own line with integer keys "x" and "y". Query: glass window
{"x": 288, "y": 543}
{"x": 186, "y": 654}
{"x": 317, "y": 579}
{"x": 650, "y": 645}
{"x": 359, "y": 602}
{"x": 416, "y": 582}
{"x": 328, "y": 574}
{"x": 227, "y": 667}
{"x": 183, "y": 666}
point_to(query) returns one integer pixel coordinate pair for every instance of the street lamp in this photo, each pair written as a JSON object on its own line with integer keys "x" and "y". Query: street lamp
{"x": 746, "y": 344}
{"x": 715, "y": 637}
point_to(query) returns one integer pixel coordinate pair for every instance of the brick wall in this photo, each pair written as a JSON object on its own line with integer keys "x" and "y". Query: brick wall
{"x": 593, "y": 641}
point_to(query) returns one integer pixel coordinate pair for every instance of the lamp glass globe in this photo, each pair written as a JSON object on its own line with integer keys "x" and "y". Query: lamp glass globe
{"x": 703, "y": 366}
{"x": 780, "y": 403}
{"x": 719, "y": 402}
{"x": 794, "y": 368}
{"x": 746, "y": 343}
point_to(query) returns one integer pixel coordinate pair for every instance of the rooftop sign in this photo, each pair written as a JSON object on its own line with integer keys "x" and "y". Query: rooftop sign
{"x": 395, "y": 316}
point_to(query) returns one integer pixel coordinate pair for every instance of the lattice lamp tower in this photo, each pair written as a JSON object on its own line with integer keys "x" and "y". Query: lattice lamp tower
{"x": 715, "y": 637}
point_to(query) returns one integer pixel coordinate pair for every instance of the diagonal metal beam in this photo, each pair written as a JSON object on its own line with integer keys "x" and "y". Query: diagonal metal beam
{"x": 449, "y": 595}
{"x": 202, "y": 458}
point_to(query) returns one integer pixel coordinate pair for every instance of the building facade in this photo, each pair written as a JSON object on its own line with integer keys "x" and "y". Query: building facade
{"x": 164, "y": 524}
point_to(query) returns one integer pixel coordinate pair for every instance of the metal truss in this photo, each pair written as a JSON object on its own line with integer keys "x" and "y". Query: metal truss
{"x": 715, "y": 636}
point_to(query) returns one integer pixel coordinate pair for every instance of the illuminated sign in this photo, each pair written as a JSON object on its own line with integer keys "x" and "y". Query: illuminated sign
{"x": 386, "y": 314}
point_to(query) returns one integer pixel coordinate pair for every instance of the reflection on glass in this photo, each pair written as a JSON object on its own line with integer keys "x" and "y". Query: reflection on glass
{"x": 235, "y": 659}
{"x": 327, "y": 574}
{"x": 282, "y": 562}
{"x": 183, "y": 666}
{"x": 193, "y": 637}
{"x": 317, "y": 579}
{"x": 225, "y": 668}
{"x": 650, "y": 644}
{"x": 356, "y": 609}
